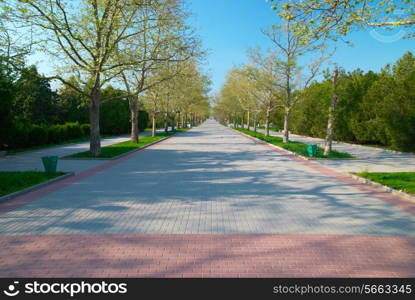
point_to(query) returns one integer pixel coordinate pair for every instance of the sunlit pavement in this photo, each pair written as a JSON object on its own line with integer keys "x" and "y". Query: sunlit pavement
{"x": 209, "y": 203}
{"x": 367, "y": 158}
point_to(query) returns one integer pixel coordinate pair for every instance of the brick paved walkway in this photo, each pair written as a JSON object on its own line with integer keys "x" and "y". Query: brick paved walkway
{"x": 236, "y": 207}
{"x": 219, "y": 255}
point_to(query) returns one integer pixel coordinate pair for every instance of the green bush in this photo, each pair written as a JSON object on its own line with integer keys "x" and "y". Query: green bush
{"x": 115, "y": 114}
{"x": 67, "y": 131}
{"x": 85, "y": 129}
{"x": 24, "y": 135}
{"x": 373, "y": 108}
{"x": 55, "y": 134}
{"x": 6, "y": 117}
{"x": 143, "y": 119}
{"x": 37, "y": 135}
{"x": 73, "y": 130}
{"x": 19, "y": 136}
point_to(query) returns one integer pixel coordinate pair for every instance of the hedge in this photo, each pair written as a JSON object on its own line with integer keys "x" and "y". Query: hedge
{"x": 24, "y": 135}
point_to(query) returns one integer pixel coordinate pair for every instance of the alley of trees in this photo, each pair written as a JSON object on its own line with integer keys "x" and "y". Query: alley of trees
{"x": 119, "y": 66}
{"x": 319, "y": 98}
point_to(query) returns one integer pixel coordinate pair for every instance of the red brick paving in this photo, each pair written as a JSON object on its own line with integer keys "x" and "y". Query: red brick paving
{"x": 217, "y": 255}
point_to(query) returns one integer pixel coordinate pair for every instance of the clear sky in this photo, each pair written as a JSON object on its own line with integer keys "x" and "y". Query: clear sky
{"x": 228, "y": 27}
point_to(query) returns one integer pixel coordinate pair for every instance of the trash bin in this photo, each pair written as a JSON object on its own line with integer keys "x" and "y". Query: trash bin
{"x": 312, "y": 150}
{"x": 50, "y": 163}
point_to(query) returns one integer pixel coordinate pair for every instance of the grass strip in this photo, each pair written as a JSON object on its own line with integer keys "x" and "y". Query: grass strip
{"x": 271, "y": 128}
{"x": 117, "y": 149}
{"x": 11, "y": 182}
{"x": 402, "y": 181}
{"x": 296, "y": 147}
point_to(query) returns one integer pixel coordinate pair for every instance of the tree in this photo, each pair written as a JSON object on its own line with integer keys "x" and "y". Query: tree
{"x": 83, "y": 36}
{"x": 184, "y": 94}
{"x": 249, "y": 89}
{"x": 114, "y": 112}
{"x": 396, "y": 107}
{"x": 323, "y": 19}
{"x": 309, "y": 116}
{"x": 290, "y": 46}
{"x": 335, "y": 18}
{"x": 35, "y": 102}
{"x": 372, "y": 108}
{"x": 152, "y": 101}
{"x": 332, "y": 109}
{"x": 231, "y": 100}
{"x": 14, "y": 46}
{"x": 227, "y": 108}
{"x": 165, "y": 41}
{"x": 7, "y": 92}
{"x": 72, "y": 106}
{"x": 262, "y": 73}
{"x": 239, "y": 85}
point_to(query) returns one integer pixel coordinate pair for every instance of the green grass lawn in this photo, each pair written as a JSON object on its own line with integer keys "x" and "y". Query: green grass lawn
{"x": 115, "y": 150}
{"x": 404, "y": 181}
{"x": 296, "y": 147}
{"x": 11, "y": 182}
{"x": 271, "y": 128}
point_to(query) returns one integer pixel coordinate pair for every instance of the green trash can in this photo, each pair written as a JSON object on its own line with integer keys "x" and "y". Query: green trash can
{"x": 311, "y": 150}
{"x": 50, "y": 163}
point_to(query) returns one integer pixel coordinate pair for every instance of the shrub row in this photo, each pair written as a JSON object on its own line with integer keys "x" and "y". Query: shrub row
{"x": 25, "y": 135}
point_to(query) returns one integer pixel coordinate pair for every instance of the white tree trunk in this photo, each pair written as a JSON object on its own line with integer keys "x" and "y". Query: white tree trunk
{"x": 267, "y": 121}
{"x": 166, "y": 122}
{"x": 153, "y": 128}
{"x": 134, "y": 121}
{"x": 286, "y": 135}
{"x": 249, "y": 121}
{"x": 332, "y": 110}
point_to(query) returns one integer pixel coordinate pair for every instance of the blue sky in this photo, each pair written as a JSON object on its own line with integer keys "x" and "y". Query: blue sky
{"x": 229, "y": 27}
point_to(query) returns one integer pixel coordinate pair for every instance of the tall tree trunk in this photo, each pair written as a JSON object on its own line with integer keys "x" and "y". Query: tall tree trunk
{"x": 287, "y": 106}
{"x": 286, "y": 137}
{"x": 166, "y": 122}
{"x": 255, "y": 121}
{"x": 249, "y": 121}
{"x": 178, "y": 120}
{"x": 153, "y": 127}
{"x": 95, "y": 137}
{"x": 173, "y": 122}
{"x": 267, "y": 121}
{"x": 243, "y": 121}
{"x": 134, "y": 120}
{"x": 332, "y": 110}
